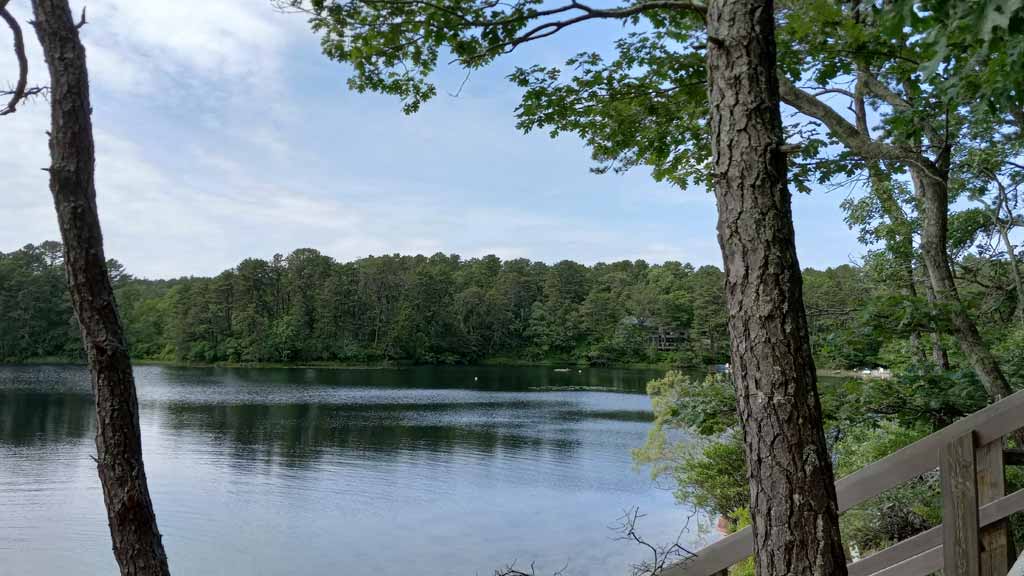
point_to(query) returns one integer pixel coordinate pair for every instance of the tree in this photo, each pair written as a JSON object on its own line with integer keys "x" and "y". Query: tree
{"x": 133, "y": 529}
{"x": 776, "y": 381}
{"x": 921, "y": 121}
{"x": 395, "y": 45}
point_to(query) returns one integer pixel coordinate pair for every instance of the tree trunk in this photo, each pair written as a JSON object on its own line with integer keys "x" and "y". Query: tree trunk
{"x": 1004, "y": 225}
{"x": 1011, "y": 254}
{"x": 902, "y": 247}
{"x": 934, "y": 198}
{"x": 915, "y": 336}
{"x": 133, "y": 529}
{"x": 793, "y": 498}
{"x": 939, "y": 356}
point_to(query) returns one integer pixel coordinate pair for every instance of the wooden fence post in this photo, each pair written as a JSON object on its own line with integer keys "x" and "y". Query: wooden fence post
{"x": 996, "y": 545}
{"x": 961, "y": 542}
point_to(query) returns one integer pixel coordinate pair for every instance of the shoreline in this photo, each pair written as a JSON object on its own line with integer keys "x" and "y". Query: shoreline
{"x": 329, "y": 365}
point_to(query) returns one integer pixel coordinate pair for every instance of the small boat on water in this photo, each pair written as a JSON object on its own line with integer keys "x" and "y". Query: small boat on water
{"x": 563, "y": 369}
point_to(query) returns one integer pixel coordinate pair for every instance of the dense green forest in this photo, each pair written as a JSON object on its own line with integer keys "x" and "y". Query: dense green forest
{"x": 307, "y": 307}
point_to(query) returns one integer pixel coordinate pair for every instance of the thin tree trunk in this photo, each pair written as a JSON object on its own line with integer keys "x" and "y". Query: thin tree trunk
{"x": 915, "y": 336}
{"x": 1004, "y": 224}
{"x": 793, "y": 499}
{"x": 902, "y": 247}
{"x": 1011, "y": 254}
{"x": 934, "y": 198}
{"x": 939, "y": 356}
{"x": 133, "y": 529}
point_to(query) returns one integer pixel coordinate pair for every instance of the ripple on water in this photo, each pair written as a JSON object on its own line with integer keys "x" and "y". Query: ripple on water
{"x": 325, "y": 472}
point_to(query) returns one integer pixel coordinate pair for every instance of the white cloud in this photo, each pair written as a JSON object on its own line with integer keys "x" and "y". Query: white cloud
{"x": 147, "y": 45}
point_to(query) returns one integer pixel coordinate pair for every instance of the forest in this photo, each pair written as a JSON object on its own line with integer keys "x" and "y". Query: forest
{"x": 308, "y": 308}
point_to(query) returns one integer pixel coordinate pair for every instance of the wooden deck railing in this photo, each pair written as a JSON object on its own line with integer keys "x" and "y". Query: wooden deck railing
{"x": 973, "y": 539}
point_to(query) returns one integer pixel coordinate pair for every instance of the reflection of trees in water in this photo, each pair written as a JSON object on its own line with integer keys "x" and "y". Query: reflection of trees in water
{"x": 484, "y": 378}
{"x": 32, "y": 418}
{"x": 40, "y": 405}
{"x": 299, "y": 434}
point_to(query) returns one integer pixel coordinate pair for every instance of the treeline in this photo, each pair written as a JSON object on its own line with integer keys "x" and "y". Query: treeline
{"x": 307, "y": 307}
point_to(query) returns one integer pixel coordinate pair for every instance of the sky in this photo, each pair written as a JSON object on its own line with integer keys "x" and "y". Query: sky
{"x": 222, "y": 133}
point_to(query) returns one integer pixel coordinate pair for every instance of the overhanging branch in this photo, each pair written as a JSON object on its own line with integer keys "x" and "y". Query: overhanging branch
{"x": 858, "y": 142}
{"x": 589, "y": 13}
{"x": 20, "y": 88}
{"x": 877, "y": 88}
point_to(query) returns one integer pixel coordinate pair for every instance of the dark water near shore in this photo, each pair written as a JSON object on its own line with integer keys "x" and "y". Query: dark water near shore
{"x": 304, "y": 471}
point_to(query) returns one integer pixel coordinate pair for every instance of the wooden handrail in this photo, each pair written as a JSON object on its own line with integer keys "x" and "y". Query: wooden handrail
{"x": 929, "y": 539}
{"x": 989, "y": 424}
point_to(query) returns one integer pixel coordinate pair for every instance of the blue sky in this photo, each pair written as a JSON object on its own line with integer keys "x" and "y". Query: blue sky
{"x": 223, "y": 133}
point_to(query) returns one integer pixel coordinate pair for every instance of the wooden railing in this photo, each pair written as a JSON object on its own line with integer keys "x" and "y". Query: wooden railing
{"x": 973, "y": 539}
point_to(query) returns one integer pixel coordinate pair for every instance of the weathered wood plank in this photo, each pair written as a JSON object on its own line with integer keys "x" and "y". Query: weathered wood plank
{"x": 897, "y": 553}
{"x": 919, "y": 565}
{"x": 996, "y": 546}
{"x": 988, "y": 514}
{"x": 717, "y": 556}
{"x": 960, "y": 534}
{"x": 1002, "y": 508}
{"x": 989, "y": 423}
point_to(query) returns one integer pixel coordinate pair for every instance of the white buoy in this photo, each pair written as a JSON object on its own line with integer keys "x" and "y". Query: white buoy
{"x": 475, "y": 378}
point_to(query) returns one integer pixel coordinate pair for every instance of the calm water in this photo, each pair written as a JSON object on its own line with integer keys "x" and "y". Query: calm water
{"x": 427, "y": 470}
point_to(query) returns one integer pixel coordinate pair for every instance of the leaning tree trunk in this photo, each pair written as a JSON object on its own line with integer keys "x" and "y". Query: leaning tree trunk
{"x": 133, "y": 529}
{"x": 934, "y": 198}
{"x": 793, "y": 499}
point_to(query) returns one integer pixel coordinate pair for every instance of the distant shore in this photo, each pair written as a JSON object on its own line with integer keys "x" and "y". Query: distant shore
{"x": 392, "y": 365}
{"x": 383, "y": 365}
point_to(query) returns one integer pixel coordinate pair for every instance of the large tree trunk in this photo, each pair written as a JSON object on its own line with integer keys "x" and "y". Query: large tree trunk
{"x": 793, "y": 498}
{"x": 137, "y": 545}
{"x": 934, "y": 199}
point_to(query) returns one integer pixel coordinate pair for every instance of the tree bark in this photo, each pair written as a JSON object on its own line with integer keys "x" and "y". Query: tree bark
{"x": 133, "y": 529}
{"x": 793, "y": 499}
{"x": 939, "y": 356}
{"x": 933, "y": 196}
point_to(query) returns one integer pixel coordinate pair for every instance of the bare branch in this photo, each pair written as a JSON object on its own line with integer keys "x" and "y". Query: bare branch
{"x": 511, "y": 570}
{"x": 662, "y": 557}
{"x": 19, "y": 91}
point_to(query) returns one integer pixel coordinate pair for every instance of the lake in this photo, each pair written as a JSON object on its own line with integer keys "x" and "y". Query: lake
{"x": 442, "y": 471}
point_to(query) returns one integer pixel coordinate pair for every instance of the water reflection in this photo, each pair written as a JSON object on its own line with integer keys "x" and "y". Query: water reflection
{"x": 474, "y": 467}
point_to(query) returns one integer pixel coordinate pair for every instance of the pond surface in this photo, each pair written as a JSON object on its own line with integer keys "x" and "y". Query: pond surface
{"x": 314, "y": 471}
